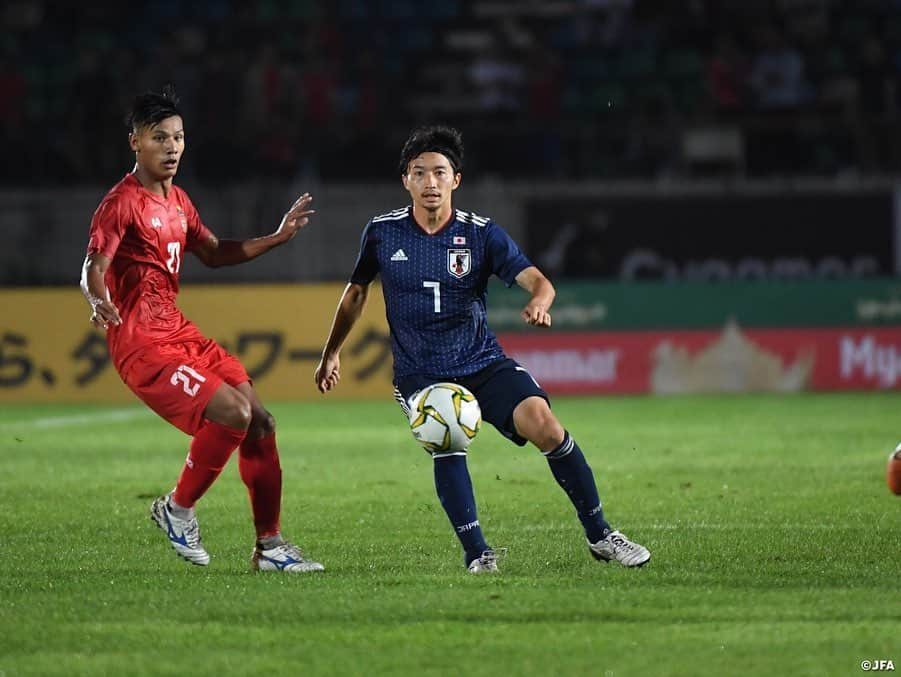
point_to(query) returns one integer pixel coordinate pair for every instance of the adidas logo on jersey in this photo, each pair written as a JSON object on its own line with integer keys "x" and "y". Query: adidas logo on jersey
{"x": 399, "y": 255}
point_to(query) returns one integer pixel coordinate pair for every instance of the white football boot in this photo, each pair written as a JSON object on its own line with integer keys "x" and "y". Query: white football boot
{"x": 486, "y": 563}
{"x": 184, "y": 535}
{"x": 616, "y": 547}
{"x": 283, "y": 557}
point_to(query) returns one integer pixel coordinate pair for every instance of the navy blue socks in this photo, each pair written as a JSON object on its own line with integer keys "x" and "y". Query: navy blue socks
{"x": 574, "y": 475}
{"x": 454, "y": 487}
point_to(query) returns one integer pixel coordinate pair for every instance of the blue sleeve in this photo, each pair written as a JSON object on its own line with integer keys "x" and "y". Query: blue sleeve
{"x": 367, "y": 265}
{"x": 504, "y": 256}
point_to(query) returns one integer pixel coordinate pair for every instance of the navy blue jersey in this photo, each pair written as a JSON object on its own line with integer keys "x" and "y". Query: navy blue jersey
{"x": 435, "y": 289}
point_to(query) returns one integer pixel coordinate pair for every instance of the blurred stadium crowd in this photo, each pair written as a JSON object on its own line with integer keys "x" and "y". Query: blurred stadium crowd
{"x": 579, "y": 89}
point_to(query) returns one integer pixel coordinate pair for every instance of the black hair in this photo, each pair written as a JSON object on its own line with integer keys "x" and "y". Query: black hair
{"x": 433, "y": 139}
{"x": 151, "y": 108}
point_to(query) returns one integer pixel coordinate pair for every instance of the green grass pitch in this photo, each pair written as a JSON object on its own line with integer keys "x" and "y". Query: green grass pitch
{"x": 776, "y": 546}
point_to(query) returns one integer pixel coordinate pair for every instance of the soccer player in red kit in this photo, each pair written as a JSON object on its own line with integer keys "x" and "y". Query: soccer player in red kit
{"x": 138, "y": 237}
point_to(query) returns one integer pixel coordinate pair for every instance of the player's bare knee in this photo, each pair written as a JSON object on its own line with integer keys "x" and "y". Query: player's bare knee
{"x": 555, "y": 435}
{"x": 547, "y": 432}
{"x": 229, "y": 407}
{"x": 263, "y": 423}
{"x": 240, "y": 413}
{"x": 536, "y": 422}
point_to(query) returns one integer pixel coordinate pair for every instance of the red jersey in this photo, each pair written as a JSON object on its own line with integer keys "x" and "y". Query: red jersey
{"x": 145, "y": 235}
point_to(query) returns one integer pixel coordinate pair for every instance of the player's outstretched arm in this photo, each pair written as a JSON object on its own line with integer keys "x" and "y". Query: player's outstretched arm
{"x": 349, "y": 310}
{"x": 93, "y": 286}
{"x": 215, "y": 252}
{"x": 536, "y": 311}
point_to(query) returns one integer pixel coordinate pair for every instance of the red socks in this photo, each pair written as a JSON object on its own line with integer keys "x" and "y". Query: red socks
{"x": 258, "y": 465}
{"x": 261, "y": 472}
{"x": 211, "y": 448}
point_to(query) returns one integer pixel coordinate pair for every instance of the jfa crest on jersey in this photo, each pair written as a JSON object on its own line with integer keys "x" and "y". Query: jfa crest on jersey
{"x": 458, "y": 262}
{"x": 434, "y": 286}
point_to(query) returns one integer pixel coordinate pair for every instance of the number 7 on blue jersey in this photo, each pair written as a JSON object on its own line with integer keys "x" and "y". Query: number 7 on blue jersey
{"x": 436, "y": 289}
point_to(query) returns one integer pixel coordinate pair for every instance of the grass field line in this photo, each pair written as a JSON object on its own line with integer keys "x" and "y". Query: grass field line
{"x": 49, "y": 422}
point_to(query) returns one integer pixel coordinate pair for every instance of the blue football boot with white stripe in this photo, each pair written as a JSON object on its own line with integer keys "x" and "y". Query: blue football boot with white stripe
{"x": 184, "y": 535}
{"x": 283, "y": 557}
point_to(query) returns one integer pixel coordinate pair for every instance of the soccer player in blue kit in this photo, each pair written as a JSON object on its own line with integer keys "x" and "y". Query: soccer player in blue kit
{"x": 435, "y": 262}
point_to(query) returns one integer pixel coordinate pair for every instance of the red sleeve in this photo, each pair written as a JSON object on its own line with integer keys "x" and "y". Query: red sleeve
{"x": 108, "y": 226}
{"x": 197, "y": 232}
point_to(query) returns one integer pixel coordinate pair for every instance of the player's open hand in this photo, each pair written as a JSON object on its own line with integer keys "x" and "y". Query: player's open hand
{"x": 537, "y": 315}
{"x": 328, "y": 373}
{"x": 296, "y": 217}
{"x": 105, "y": 314}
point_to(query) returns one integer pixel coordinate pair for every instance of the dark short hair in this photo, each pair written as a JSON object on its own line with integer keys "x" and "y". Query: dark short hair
{"x": 151, "y": 108}
{"x": 433, "y": 139}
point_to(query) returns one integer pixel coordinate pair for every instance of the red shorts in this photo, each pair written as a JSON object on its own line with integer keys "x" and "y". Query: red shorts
{"x": 177, "y": 380}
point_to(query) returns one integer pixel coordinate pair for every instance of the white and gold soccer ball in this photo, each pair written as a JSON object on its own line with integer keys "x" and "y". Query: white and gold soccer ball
{"x": 445, "y": 417}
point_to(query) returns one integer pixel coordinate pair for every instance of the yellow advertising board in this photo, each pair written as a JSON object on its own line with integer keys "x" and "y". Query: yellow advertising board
{"x": 49, "y": 352}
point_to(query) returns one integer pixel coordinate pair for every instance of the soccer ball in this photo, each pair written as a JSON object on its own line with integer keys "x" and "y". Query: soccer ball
{"x": 445, "y": 417}
{"x": 893, "y": 471}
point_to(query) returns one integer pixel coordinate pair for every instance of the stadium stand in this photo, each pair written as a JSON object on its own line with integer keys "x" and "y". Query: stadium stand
{"x": 603, "y": 89}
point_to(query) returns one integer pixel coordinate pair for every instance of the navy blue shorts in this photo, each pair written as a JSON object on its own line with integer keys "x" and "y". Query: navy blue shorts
{"x": 499, "y": 387}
